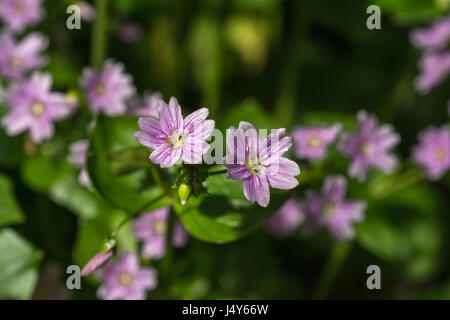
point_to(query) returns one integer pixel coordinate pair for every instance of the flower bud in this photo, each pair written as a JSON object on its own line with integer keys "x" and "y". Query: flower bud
{"x": 184, "y": 191}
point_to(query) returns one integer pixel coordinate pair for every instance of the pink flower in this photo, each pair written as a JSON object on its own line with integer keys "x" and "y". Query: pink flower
{"x": 148, "y": 107}
{"x": 284, "y": 222}
{"x": 77, "y": 157}
{"x": 331, "y": 210}
{"x": 180, "y": 235}
{"x": 34, "y": 107}
{"x": 433, "y": 151}
{"x": 88, "y": 12}
{"x": 434, "y": 68}
{"x": 151, "y": 228}
{"x": 19, "y": 58}
{"x": 435, "y": 37}
{"x": 19, "y": 14}
{"x": 312, "y": 143}
{"x": 129, "y": 31}
{"x": 108, "y": 89}
{"x": 126, "y": 279}
{"x": 172, "y": 138}
{"x": 370, "y": 146}
{"x": 260, "y": 163}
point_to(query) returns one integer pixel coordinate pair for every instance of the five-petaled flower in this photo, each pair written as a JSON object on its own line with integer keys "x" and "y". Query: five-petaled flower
{"x": 109, "y": 89}
{"x": 433, "y": 151}
{"x": 172, "y": 138}
{"x": 17, "y": 58}
{"x": 34, "y": 107}
{"x": 126, "y": 279}
{"x": 331, "y": 210}
{"x": 370, "y": 146}
{"x": 260, "y": 163}
{"x": 312, "y": 142}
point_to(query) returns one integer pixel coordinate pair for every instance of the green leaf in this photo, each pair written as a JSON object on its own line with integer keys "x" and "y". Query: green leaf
{"x": 10, "y": 149}
{"x": 111, "y": 135}
{"x": 128, "y": 160}
{"x": 219, "y": 185}
{"x": 219, "y": 219}
{"x": 40, "y": 171}
{"x": 93, "y": 233}
{"x": 69, "y": 193}
{"x": 19, "y": 262}
{"x": 403, "y": 229}
{"x": 413, "y": 11}
{"x": 10, "y": 211}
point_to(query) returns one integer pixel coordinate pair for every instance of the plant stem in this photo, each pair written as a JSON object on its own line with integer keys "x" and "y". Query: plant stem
{"x": 167, "y": 262}
{"x": 155, "y": 175}
{"x": 337, "y": 256}
{"x": 217, "y": 172}
{"x": 135, "y": 213}
{"x": 98, "y": 37}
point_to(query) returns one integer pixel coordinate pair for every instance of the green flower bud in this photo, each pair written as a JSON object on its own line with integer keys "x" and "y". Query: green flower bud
{"x": 184, "y": 191}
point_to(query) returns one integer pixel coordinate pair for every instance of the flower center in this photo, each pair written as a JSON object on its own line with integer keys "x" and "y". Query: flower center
{"x": 441, "y": 154}
{"x": 15, "y": 62}
{"x": 328, "y": 209}
{"x": 314, "y": 142}
{"x": 37, "y": 108}
{"x": 125, "y": 279}
{"x": 176, "y": 139}
{"x": 100, "y": 89}
{"x": 160, "y": 227}
{"x": 20, "y": 7}
{"x": 366, "y": 149}
{"x": 254, "y": 165}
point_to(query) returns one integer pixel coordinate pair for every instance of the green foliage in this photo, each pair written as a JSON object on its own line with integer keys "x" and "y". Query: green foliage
{"x": 19, "y": 262}
{"x": 223, "y": 215}
{"x": 10, "y": 211}
{"x": 113, "y": 135}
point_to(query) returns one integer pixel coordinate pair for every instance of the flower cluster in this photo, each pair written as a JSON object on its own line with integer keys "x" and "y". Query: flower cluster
{"x": 435, "y": 62}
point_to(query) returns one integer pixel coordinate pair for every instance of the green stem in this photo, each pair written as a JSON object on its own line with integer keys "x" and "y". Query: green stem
{"x": 155, "y": 175}
{"x": 167, "y": 262}
{"x": 338, "y": 254}
{"x": 98, "y": 37}
{"x": 211, "y": 173}
{"x": 135, "y": 213}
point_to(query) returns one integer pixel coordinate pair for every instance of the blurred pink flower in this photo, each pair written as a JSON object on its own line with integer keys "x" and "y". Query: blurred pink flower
{"x": 434, "y": 68}
{"x": 148, "y": 107}
{"x": 77, "y": 157}
{"x": 32, "y": 106}
{"x": 126, "y": 279}
{"x": 312, "y": 143}
{"x": 108, "y": 89}
{"x": 284, "y": 222}
{"x": 433, "y": 151}
{"x": 129, "y": 31}
{"x": 17, "y": 58}
{"x": 369, "y": 147}
{"x": 331, "y": 210}
{"x": 19, "y": 14}
{"x": 151, "y": 228}
{"x": 435, "y": 37}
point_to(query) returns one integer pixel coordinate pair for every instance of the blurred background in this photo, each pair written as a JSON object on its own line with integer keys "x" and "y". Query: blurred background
{"x": 276, "y": 63}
